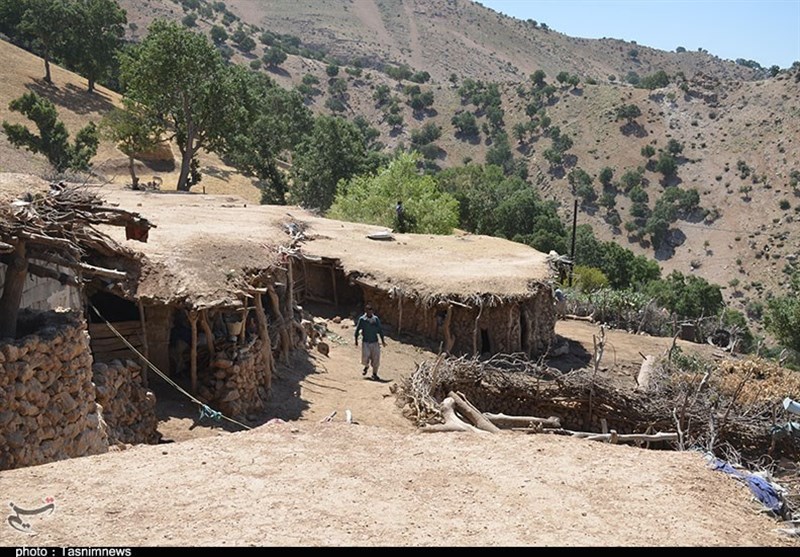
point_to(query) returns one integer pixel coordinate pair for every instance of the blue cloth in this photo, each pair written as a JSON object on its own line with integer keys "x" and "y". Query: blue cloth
{"x": 765, "y": 493}
{"x": 761, "y": 488}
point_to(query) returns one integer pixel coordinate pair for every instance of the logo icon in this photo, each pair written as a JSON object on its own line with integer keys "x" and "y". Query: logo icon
{"x": 17, "y": 518}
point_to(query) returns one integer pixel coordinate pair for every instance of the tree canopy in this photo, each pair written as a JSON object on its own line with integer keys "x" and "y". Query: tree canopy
{"x": 371, "y": 198}
{"x": 180, "y": 76}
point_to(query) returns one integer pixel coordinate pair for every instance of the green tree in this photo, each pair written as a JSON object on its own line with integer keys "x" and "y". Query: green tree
{"x": 690, "y": 297}
{"x": 273, "y": 121}
{"x": 218, "y": 34}
{"x": 273, "y": 57}
{"x": 96, "y": 29}
{"x": 666, "y": 165}
{"x": 53, "y": 138}
{"x": 537, "y": 78}
{"x": 333, "y": 151}
{"x": 606, "y": 175}
{"x": 180, "y": 76}
{"x": 44, "y": 21}
{"x": 371, "y": 198}
{"x": 782, "y": 317}
{"x": 465, "y": 124}
{"x": 629, "y": 112}
{"x": 133, "y": 130}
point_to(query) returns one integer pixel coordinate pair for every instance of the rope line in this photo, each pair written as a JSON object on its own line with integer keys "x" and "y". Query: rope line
{"x": 205, "y": 410}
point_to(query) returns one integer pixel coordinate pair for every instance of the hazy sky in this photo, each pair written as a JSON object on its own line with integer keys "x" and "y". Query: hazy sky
{"x": 767, "y": 31}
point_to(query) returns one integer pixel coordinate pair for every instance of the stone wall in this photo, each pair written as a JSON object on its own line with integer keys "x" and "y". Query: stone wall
{"x": 128, "y": 407}
{"x": 47, "y": 398}
{"x": 236, "y": 381}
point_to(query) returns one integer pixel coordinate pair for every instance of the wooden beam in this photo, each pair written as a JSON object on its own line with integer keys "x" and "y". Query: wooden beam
{"x": 102, "y": 272}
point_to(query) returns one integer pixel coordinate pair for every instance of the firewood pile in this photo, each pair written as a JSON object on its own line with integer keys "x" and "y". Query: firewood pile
{"x": 729, "y": 408}
{"x": 63, "y": 221}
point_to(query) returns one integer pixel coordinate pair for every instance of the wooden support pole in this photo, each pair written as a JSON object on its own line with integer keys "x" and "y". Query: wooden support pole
{"x": 145, "y": 349}
{"x": 16, "y": 273}
{"x": 475, "y": 332}
{"x": 449, "y": 340}
{"x": 281, "y": 324}
{"x": 333, "y": 284}
{"x": 193, "y": 353}
{"x": 399, "y": 312}
{"x": 243, "y": 332}
{"x": 207, "y": 330}
{"x": 266, "y": 344}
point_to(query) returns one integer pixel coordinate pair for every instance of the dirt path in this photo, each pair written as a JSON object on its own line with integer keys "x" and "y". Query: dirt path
{"x": 380, "y": 482}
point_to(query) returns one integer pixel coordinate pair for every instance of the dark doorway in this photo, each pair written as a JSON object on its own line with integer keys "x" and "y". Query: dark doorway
{"x": 486, "y": 346}
{"x": 112, "y": 307}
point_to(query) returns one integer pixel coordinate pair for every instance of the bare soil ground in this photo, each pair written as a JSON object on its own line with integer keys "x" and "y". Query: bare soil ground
{"x": 304, "y": 481}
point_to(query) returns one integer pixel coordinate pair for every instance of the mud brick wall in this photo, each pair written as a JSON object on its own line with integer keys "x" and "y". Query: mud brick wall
{"x": 47, "y": 398}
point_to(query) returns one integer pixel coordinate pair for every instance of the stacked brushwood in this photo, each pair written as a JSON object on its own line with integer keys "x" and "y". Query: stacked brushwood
{"x": 707, "y": 408}
{"x": 59, "y": 229}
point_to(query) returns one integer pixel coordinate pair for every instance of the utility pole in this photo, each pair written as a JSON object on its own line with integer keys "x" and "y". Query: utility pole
{"x": 574, "y": 228}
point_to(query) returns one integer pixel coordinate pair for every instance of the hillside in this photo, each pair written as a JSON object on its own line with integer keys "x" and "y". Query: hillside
{"x": 739, "y": 132}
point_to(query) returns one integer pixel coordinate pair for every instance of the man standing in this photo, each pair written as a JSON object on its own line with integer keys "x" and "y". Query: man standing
{"x": 370, "y": 327}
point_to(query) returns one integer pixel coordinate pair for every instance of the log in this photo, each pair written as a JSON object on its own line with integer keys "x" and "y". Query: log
{"x": 507, "y": 422}
{"x": 617, "y": 437}
{"x": 451, "y": 421}
{"x": 471, "y": 413}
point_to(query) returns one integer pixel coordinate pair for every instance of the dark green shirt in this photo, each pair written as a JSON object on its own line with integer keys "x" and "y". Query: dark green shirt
{"x": 371, "y": 327}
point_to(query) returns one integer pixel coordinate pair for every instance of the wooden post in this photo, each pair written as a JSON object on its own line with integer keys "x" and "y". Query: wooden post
{"x": 333, "y": 283}
{"x": 16, "y": 273}
{"x": 144, "y": 365}
{"x": 399, "y": 311}
{"x": 207, "y": 330}
{"x": 475, "y": 332}
{"x": 448, "y": 337}
{"x": 266, "y": 344}
{"x": 282, "y": 330}
{"x": 243, "y": 332}
{"x": 290, "y": 289}
{"x": 193, "y": 353}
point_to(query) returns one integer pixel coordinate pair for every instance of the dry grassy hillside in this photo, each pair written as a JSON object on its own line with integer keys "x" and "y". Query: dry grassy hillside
{"x": 443, "y": 37}
{"x": 22, "y": 72}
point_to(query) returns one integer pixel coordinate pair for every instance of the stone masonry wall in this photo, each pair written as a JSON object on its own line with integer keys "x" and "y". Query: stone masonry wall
{"x": 47, "y": 398}
{"x": 236, "y": 382}
{"x": 128, "y": 407}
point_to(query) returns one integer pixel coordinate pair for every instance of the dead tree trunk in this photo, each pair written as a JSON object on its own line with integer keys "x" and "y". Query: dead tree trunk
{"x": 16, "y": 273}
{"x": 506, "y": 422}
{"x": 451, "y": 421}
{"x": 471, "y": 413}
